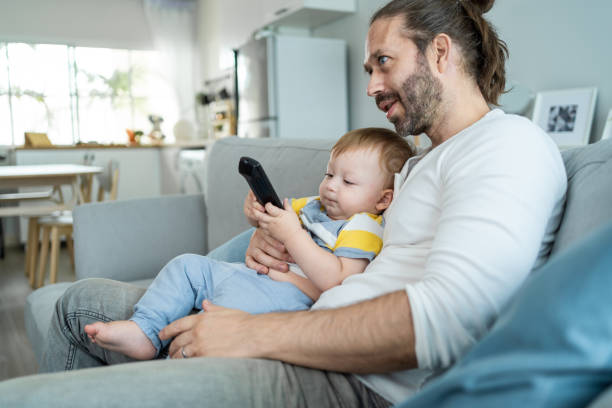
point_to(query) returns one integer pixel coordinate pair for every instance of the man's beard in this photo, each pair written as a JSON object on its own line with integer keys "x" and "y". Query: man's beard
{"x": 421, "y": 98}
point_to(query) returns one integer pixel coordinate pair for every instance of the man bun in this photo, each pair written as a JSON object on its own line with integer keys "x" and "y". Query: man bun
{"x": 481, "y": 5}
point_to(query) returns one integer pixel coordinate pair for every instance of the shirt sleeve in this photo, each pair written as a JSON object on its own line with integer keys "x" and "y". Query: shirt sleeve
{"x": 361, "y": 237}
{"x": 497, "y": 200}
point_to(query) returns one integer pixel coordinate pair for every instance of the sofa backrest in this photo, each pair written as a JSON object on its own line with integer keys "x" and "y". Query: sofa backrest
{"x": 295, "y": 168}
{"x": 589, "y": 192}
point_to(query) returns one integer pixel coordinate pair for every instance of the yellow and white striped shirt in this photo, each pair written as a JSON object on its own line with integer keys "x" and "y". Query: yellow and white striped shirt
{"x": 360, "y": 236}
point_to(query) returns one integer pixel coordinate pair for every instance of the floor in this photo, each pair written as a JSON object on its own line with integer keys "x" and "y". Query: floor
{"x": 16, "y": 356}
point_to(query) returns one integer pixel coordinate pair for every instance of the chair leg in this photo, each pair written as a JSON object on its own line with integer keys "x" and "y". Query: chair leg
{"x": 1, "y": 240}
{"x": 28, "y": 247}
{"x": 32, "y": 249}
{"x": 70, "y": 245}
{"x": 42, "y": 262}
{"x": 55, "y": 244}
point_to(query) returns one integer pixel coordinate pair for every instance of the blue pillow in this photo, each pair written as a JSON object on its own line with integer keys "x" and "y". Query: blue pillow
{"x": 552, "y": 345}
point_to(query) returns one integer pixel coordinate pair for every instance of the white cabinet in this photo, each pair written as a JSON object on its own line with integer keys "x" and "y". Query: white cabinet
{"x": 305, "y": 13}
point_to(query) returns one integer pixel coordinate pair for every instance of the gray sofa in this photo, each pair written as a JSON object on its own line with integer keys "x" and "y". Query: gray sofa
{"x": 132, "y": 240}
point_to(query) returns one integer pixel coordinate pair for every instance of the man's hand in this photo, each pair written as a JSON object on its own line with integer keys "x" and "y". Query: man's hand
{"x": 264, "y": 253}
{"x": 281, "y": 224}
{"x": 218, "y": 332}
{"x": 251, "y": 206}
{"x": 375, "y": 336}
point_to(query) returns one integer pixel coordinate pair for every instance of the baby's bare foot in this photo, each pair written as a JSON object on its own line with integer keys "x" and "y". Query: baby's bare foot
{"x": 123, "y": 336}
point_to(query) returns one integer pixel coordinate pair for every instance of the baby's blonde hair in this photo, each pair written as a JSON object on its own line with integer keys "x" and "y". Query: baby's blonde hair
{"x": 393, "y": 149}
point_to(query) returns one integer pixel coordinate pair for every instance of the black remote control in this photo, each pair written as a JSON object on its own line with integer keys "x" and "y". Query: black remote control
{"x": 255, "y": 175}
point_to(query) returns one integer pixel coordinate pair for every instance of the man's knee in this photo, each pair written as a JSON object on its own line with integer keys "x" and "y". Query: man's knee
{"x": 96, "y": 299}
{"x": 76, "y": 301}
{"x": 76, "y": 293}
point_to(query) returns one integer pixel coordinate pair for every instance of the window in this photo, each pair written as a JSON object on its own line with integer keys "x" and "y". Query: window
{"x": 80, "y": 94}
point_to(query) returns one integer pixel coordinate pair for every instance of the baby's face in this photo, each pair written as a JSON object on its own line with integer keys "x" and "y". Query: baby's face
{"x": 353, "y": 183}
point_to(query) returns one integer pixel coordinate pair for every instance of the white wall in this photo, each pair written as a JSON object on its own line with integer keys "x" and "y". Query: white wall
{"x": 353, "y": 29}
{"x": 554, "y": 44}
{"x": 222, "y": 26}
{"x": 89, "y": 23}
{"x": 557, "y": 44}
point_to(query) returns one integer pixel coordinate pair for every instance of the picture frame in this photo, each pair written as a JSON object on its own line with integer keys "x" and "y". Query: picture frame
{"x": 33, "y": 139}
{"x": 566, "y": 114}
{"x": 607, "y": 132}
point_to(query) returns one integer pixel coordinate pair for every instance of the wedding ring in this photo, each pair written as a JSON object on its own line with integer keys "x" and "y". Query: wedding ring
{"x": 183, "y": 353}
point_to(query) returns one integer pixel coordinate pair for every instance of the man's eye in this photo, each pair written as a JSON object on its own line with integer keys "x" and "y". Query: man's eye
{"x": 348, "y": 182}
{"x": 329, "y": 175}
{"x": 382, "y": 59}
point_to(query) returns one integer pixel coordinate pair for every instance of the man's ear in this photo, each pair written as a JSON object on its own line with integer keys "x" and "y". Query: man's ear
{"x": 441, "y": 52}
{"x": 385, "y": 200}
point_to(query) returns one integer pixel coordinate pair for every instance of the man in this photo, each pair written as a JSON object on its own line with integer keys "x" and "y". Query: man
{"x": 470, "y": 218}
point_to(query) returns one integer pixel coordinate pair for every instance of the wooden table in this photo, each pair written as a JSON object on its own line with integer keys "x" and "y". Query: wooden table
{"x": 54, "y": 175}
{"x": 51, "y": 175}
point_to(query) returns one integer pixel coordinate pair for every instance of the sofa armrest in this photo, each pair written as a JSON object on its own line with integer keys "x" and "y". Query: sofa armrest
{"x": 133, "y": 239}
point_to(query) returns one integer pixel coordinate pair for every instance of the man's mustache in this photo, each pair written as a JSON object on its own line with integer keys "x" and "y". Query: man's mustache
{"x": 382, "y": 97}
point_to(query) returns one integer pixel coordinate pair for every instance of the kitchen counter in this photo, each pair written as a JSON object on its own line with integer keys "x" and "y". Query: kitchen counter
{"x": 187, "y": 145}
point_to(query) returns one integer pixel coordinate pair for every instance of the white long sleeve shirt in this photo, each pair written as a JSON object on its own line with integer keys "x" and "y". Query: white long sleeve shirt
{"x": 469, "y": 220}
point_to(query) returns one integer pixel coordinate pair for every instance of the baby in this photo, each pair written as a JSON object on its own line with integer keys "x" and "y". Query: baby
{"x": 330, "y": 237}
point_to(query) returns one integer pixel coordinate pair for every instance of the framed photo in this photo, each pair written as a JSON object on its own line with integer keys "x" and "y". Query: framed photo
{"x": 607, "y": 133}
{"x": 566, "y": 115}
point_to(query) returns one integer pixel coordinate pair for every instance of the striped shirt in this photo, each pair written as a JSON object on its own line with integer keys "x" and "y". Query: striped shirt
{"x": 358, "y": 237}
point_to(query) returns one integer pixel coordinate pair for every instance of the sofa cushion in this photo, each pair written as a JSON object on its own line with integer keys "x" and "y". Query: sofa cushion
{"x": 549, "y": 348}
{"x": 226, "y": 189}
{"x": 128, "y": 240}
{"x": 604, "y": 400}
{"x": 589, "y": 192}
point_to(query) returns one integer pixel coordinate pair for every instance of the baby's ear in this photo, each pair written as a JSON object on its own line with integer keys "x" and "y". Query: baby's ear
{"x": 385, "y": 200}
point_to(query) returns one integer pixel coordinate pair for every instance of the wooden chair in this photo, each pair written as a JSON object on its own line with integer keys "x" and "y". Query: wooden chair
{"x": 33, "y": 232}
{"x": 60, "y": 225}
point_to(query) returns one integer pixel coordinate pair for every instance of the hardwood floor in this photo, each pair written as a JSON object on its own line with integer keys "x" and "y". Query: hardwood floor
{"x": 16, "y": 356}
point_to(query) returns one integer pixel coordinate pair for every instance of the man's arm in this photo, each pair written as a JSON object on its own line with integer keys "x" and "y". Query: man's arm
{"x": 375, "y": 336}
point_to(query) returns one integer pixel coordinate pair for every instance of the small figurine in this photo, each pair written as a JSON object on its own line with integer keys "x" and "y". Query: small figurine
{"x": 156, "y": 134}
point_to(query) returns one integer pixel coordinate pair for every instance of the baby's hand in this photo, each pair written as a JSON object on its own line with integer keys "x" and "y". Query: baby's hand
{"x": 251, "y": 207}
{"x": 282, "y": 224}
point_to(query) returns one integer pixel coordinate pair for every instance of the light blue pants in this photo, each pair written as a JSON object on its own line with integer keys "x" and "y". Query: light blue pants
{"x": 187, "y": 280}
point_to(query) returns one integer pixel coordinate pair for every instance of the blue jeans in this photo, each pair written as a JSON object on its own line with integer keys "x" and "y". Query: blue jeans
{"x": 187, "y": 280}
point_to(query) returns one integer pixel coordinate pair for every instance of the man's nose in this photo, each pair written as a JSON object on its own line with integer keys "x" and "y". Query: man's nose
{"x": 375, "y": 84}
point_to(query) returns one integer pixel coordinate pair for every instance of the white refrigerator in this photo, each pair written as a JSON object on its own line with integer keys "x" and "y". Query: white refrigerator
{"x": 292, "y": 87}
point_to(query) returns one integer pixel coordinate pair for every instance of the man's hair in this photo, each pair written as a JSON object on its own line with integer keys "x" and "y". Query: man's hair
{"x": 393, "y": 149}
{"x": 484, "y": 53}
